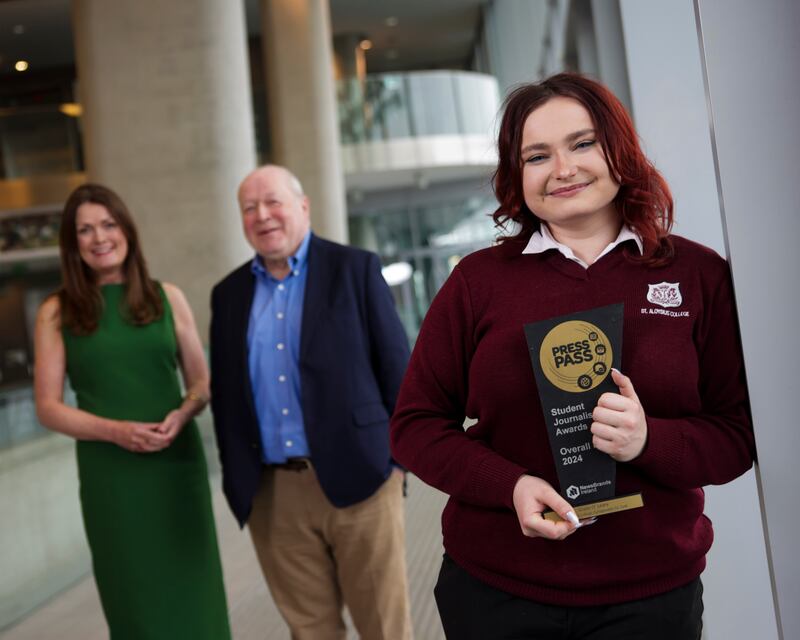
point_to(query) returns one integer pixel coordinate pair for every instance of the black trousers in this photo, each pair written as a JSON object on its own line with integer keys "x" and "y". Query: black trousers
{"x": 472, "y": 610}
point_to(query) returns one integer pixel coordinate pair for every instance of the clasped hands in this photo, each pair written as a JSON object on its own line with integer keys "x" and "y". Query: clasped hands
{"x": 149, "y": 437}
{"x": 619, "y": 429}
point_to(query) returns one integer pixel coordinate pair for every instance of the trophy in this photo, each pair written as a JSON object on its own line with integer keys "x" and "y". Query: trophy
{"x": 572, "y": 357}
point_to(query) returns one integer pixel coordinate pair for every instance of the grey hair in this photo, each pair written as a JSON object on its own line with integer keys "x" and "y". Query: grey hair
{"x": 292, "y": 180}
{"x": 294, "y": 183}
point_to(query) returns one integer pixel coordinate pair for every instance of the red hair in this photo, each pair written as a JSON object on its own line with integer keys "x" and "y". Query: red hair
{"x": 644, "y": 200}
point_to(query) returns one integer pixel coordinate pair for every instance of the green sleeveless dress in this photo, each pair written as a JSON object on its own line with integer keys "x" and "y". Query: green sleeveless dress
{"x": 147, "y": 516}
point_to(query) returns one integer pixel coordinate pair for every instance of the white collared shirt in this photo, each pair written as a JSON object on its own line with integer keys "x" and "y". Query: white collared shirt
{"x": 542, "y": 240}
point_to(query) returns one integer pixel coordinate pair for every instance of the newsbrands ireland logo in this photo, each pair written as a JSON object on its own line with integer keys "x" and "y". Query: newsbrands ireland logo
{"x": 575, "y": 356}
{"x": 573, "y": 492}
{"x": 665, "y": 294}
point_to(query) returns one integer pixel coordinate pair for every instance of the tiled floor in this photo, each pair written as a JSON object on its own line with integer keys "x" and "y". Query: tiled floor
{"x": 75, "y": 613}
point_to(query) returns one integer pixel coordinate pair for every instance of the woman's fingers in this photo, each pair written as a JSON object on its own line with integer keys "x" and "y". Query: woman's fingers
{"x": 620, "y": 425}
{"x": 532, "y": 497}
{"x": 625, "y": 385}
{"x": 145, "y": 437}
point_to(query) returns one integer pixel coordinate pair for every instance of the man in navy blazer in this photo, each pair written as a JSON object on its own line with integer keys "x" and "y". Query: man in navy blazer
{"x": 307, "y": 355}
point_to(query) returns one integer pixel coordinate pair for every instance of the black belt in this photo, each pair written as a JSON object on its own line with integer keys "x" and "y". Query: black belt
{"x": 293, "y": 464}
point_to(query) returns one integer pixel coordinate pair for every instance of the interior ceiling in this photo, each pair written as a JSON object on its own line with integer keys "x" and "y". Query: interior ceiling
{"x": 428, "y": 34}
{"x": 46, "y": 41}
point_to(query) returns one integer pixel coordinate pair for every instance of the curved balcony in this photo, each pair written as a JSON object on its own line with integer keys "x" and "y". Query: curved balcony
{"x": 417, "y": 127}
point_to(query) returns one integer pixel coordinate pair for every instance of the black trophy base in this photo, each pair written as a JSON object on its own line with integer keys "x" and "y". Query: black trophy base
{"x": 601, "y": 507}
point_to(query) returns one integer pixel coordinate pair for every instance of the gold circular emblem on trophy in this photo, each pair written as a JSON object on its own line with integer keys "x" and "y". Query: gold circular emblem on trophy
{"x": 576, "y": 356}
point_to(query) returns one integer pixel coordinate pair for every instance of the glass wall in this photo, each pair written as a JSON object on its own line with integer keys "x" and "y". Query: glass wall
{"x": 429, "y": 237}
{"x": 21, "y": 293}
{"x": 29, "y": 271}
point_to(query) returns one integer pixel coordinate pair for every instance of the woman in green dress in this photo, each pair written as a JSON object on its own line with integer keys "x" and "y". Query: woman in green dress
{"x": 120, "y": 338}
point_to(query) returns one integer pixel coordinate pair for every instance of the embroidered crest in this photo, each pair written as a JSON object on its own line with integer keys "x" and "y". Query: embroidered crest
{"x": 665, "y": 294}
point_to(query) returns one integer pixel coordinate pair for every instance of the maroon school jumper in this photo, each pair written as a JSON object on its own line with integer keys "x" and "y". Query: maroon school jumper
{"x": 471, "y": 359}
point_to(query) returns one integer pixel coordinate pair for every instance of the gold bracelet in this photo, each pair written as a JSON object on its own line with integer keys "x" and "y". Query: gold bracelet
{"x": 194, "y": 396}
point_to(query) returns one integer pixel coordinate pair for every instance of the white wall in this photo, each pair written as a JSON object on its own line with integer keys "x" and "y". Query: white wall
{"x": 664, "y": 66}
{"x": 752, "y": 51}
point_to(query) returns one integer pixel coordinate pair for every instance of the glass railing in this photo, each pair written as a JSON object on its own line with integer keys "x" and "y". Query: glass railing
{"x": 35, "y": 230}
{"x": 416, "y": 104}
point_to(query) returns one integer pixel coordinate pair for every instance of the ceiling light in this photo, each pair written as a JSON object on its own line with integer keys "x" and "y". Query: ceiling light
{"x": 392, "y": 54}
{"x": 18, "y": 29}
{"x": 365, "y": 44}
{"x": 392, "y": 21}
{"x": 72, "y": 109}
{"x": 21, "y": 65}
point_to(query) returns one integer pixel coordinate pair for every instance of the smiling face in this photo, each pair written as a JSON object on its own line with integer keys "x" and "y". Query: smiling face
{"x": 101, "y": 242}
{"x": 275, "y": 216}
{"x": 566, "y": 181}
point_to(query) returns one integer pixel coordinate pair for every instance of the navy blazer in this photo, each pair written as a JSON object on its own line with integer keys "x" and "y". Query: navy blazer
{"x": 353, "y": 354}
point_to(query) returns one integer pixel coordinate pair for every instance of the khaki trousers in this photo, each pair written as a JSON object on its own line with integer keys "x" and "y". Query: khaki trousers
{"x": 316, "y": 558}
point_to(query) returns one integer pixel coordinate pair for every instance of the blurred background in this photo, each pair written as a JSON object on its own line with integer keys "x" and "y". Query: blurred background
{"x": 387, "y": 112}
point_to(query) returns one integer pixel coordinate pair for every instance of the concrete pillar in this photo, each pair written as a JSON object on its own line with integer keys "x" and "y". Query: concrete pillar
{"x": 585, "y": 40}
{"x": 296, "y": 37}
{"x": 168, "y": 123}
{"x": 350, "y": 72}
{"x": 611, "y": 48}
{"x": 348, "y": 57}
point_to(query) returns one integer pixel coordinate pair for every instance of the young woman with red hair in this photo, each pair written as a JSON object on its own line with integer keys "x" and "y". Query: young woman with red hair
{"x": 590, "y": 222}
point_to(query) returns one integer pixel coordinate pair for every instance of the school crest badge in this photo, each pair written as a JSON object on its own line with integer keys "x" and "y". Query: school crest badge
{"x": 665, "y": 294}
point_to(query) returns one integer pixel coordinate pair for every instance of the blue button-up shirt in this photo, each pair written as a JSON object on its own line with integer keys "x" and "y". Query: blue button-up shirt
{"x": 273, "y": 341}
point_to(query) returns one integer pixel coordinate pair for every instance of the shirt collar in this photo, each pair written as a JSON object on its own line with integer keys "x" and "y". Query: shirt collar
{"x": 296, "y": 261}
{"x": 542, "y": 240}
